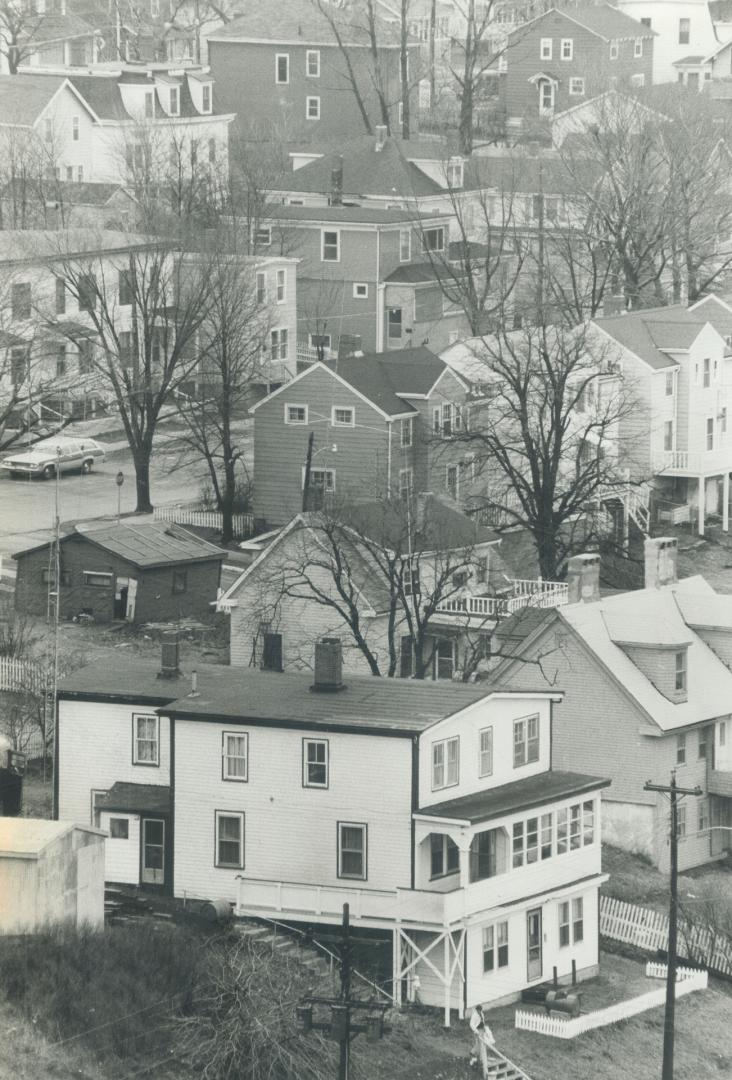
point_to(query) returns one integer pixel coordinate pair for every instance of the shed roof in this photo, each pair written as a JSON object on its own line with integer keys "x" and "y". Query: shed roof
{"x": 516, "y": 796}
{"x": 145, "y": 546}
{"x": 27, "y": 837}
{"x": 136, "y": 798}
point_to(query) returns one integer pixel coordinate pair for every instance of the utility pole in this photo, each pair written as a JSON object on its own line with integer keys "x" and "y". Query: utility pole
{"x": 308, "y": 467}
{"x": 673, "y": 791}
{"x": 340, "y": 1026}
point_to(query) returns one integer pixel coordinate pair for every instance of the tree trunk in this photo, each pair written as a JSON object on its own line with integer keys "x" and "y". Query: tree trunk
{"x": 227, "y": 502}
{"x": 465, "y": 128}
{"x": 404, "y": 71}
{"x": 142, "y": 481}
{"x": 433, "y": 80}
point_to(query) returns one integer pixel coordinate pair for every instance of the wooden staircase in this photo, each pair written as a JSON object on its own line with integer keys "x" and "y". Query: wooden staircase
{"x": 501, "y": 1068}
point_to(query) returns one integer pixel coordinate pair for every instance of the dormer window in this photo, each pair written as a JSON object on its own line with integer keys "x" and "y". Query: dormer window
{"x": 149, "y": 105}
{"x": 174, "y": 101}
{"x": 680, "y": 673}
{"x": 455, "y": 173}
{"x": 206, "y": 98}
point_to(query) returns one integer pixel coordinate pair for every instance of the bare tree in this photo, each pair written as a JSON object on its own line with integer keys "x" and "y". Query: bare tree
{"x": 232, "y": 349}
{"x": 543, "y": 428}
{"x": 142, "y": 358}
{"x": 19, "y": 22}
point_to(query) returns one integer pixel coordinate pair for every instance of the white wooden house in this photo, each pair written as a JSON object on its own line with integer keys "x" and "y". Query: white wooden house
{"x": 432, "y": 810}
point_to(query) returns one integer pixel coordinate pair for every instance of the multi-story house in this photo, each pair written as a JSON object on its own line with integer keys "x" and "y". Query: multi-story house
{"x": 675, "y": 364}
{"x": 472, "y": 853}
{"x": 284, "y": 61}
{"x": 47, "y": 334}
{"x": 683, "y": 28}
{"x": 561, "y": 58}
{"x": 119, "y": 125}
{"x": 647, "y": 689}
{"x": 367, "y": 277}
{"x": 46, "y": 33}
{"x": 397, "y": 411}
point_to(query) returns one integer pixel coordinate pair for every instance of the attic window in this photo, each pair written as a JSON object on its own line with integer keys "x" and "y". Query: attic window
{"x": 174, "y": 101}
{"x": 680, "y": 677}
{"x": 206, "y": 98}
{"x": 455, "y": 173}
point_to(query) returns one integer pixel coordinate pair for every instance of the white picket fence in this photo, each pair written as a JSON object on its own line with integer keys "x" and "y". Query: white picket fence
{"x": 687, "y": 980}
{"x": 647, "y": 929}
{"x": 21, "y": 675}
{"x": 182, "y": 514}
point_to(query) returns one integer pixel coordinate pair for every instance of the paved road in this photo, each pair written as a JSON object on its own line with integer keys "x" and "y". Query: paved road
{"x": 28, "y": 505}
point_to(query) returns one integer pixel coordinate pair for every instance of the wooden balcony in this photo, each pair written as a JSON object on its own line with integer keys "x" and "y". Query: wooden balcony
{"x": 692, "y": 462}
{"x": 521, "y": 593}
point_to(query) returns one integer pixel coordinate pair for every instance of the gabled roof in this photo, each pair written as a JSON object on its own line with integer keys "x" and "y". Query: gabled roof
{"x": 603, "y": 20}
{"x": 24, "y": 97}
{"x": 714, "y": 310}
{"x": 58, "y": 27}
{"x": 299, "y": 22}
{"x": 145, "y": 546}
{"x": 366, "y": 170}
{"x": 655, "y": 333}
{"x": 436, "y": 525}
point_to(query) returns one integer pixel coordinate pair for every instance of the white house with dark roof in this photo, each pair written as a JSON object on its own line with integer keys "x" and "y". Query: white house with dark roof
{"x": 647, "y": 688}
{"x": 684, "y": 29}
{"x": 104, "y": 126}
{"x": 676, "y": 363}
{"x": 472, "y": 853}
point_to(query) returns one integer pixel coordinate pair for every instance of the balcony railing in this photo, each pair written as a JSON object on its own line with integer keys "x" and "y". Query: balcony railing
{"x": 692, "y": 462}
{"x": 523, "y": 592}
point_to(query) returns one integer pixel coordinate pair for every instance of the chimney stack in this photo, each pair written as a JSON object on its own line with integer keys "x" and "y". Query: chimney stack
{"x": 336, "y": 182}
{"x": 380, "y": 136}
{"x": 661, "y": 558}
{"x": 170, "y": 655}
{"x": 583, "y": 578}
{"x": 328, "y": 666}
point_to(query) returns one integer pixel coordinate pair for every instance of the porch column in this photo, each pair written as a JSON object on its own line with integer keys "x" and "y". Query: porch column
{"x": 448, "y": 980}
{"x": 725, "y": 502}
{"x": 464, "y": 851}
{"x": 396, "y": 963}
{"x": 701, "y": 507}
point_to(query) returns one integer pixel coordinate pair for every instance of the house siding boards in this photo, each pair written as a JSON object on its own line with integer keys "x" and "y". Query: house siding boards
{"x": 245, "y": 71}
{"x": 590, "y": 61}
{"x": 155, "y": 599}
{"x": 290, "y": 830}
{"x": 280, "y": 449}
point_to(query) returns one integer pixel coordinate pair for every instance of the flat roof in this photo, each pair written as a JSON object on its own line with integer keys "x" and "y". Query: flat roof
{"x": 22, "y": 837}
{"x": 518, "y": 795}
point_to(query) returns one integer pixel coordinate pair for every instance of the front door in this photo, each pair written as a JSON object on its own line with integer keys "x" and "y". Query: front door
{"x": 533, "y": 942}
{"x": 131, "y": 596}
{"x": 153, "y": 851}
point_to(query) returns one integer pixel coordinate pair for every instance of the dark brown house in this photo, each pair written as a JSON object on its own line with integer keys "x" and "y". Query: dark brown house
{"x": 139, "y": 573}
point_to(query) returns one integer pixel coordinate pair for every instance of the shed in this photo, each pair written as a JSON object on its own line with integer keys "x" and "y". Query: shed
{"x": 50, "y": 872}
{"x": 149, "y": 572}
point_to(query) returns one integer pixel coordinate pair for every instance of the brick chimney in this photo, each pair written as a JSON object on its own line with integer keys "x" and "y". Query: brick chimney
{"x": 661, "y": 558}
{"x": 380, "y": 130}
{"x": 328, "y": 666}
{"x": 583, "y": 578}
{"x": 336, "y": 182}
{"x": 170, "y": 656}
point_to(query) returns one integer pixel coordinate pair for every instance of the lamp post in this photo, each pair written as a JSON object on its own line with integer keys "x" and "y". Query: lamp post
{"x": 119, "y": 481}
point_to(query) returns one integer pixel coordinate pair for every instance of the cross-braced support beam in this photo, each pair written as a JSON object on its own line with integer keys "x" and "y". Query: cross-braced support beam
{"x": 407, "y": 954}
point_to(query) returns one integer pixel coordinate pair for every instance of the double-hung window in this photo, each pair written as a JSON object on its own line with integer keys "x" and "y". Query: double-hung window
{"x": 562, "y": 838}
{"x": 230, "y": 839}
{"x": 315, "y": 763}
{"x": 145, "y": 739}
{"x": 405, "y": 432}
{"x": 518, "y": 843}
{"x": 564, "y": 932}
{"x": 282, "y": 68}
{"x": 312, "y": 63}
{"x": 578, "y": 921}
{"x": 405, "y": 245}
{"x": 206, "y": 98}
{"x": 525, "y": 741}
{"x": 444, "y": 855}
{"x": 75, "y": 128}
{"x": 352, "y": 850}
{"x": 486, "y": 752}
{"x": 445, "y": 762}
{"x": 680, "y": 671}
{"x": 343, "y": 416}
{"x": 281, "y": 286}
{"x": 567, "y": 48}
{"x": 545, "y": 49}
{"x": 296, "y": 414}
{"x": 330, "y": 245}
{"x": 261, "y": 287}
{"x": 125, "y": 287}
{"x": 638, "y": 48}
{"x": 174, "y": 100}
{"x": 406, "y": 482}
{"x": 588, "y": 822}
{"x": 575, "y": 827}
{"x": 235, "y": 756}
{"x": 684, "y": 31}
{"x": 532, "y": 840}
{"x": 495, "y": 946}
{"x": 576, "y": 87}
{"x": 547, "y": 833}
{"x": 312, "y": 107}
{"x": 433, "y": 239}
{"x": 681, "y": 749}
{"x": 278, "y": 340}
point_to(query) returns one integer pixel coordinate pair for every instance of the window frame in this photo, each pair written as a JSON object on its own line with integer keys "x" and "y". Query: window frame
{"x": 684, "y": 31}
{"x": 280, "y": 285}
{"x": 406, "y": 489}
{"x": 308, "y": 55}
{"x": 564, "y": 913}
{"x": 119, "y": 820}
{"x": 637, "y": 48}
{"x": 681, "y": 748}
{"x": 295, "y": 405}
{"x": 279, "y": 343}
{"x": 363, "y": 295}
{"x": 562, "y": 43}
{"x": 206, "y": 98}
{"x": 522, "y": 725}
{"x": 330, "y": 232}
{"x": 428, "y": 249}
{"x": 226, "y": 757}
{"x": 574, "y": 87}
{"x": 136, "y": 760}
{"x": 21, "y": 311}
{"x": 307, "y": 783}
{"x": 310, "y": 100}
{"x": 482, "y": 751}
{"x": 329, "y": 478}
{"x": 406, "y": 433}
{"x": 614, "y": 49}
{"x": 680, "y": 671}
{"x": 405, "y": 234}
{"x": 278, "y": 80}
{"x": 578, "y": 919}
{"x": 240, "y": 816}
{"x": 546, "y": 48}
{"x": 446, "y": 870}
{"x": 261, "y": 286}
{"x": 174, "y": 100}
{"x": 342, "y": 423}
{"x": 75, "y": 128}
{"x": 444, "y": 744}
{"x": 59, "y": 295}
{"x": 391, "y": 324}
{"x": 87, "y": 574}
{"x": 498, "y": 947}
{"x": 363, "y": 826}
{"x": 258, "y": 231}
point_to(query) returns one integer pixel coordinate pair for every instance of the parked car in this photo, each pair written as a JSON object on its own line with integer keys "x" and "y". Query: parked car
{"x": 62, "y": 452}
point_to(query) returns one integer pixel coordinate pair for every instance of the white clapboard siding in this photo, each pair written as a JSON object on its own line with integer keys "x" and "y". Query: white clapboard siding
{"x": 648, "y": 929}
{"x": 688, "y": 980}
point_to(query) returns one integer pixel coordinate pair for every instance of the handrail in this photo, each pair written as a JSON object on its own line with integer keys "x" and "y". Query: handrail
{"x": 497, "y": 1053}
{"x": 323, "y": 948}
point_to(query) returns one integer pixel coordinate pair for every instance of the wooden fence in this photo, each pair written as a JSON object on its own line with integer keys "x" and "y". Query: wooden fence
{"x": 21, "y": 675}
{"x": 647, "y": 929}
{"x": 687, "y": 980}
{"x": 183, "y": 514}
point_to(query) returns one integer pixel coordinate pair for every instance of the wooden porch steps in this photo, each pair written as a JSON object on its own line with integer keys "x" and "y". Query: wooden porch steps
{"x": 286, "y": 944}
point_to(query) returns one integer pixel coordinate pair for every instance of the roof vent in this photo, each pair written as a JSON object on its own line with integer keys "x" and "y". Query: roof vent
{"x": 328, "y": 666}
{"x": 170, "y": 656}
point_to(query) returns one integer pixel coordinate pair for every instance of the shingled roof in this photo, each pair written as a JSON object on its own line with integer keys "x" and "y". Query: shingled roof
{"x": 24, "y": 97}
{"x": 299, "y": 22}
{"x": 603, "y": 19}
{"x": 388, "y": 379}
{"x": 652, "y": 332}
{"x": 144, "y": 546}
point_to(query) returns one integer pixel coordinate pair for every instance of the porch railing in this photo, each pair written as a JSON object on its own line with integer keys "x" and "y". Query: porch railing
{"x": 523, "y": 592}
{"x": 696, "y": 462}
